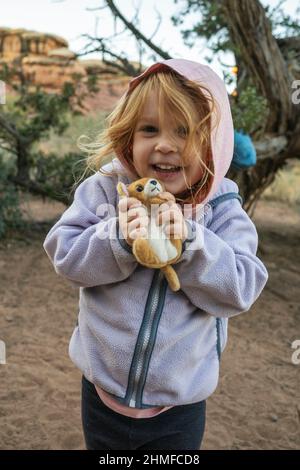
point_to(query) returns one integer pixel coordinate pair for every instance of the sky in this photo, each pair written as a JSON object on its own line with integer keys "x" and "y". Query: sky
{"x": 72, "y": 18}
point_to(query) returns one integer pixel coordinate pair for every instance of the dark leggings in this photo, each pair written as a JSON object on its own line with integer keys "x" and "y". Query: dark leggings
{"x": 181, "y": 427}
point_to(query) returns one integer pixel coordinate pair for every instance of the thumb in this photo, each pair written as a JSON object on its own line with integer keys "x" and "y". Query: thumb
{"x": 167, "y": 196}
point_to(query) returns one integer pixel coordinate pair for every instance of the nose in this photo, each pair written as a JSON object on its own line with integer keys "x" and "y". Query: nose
{"x": 154, "y": 182}
{"x": 165, "y": 145}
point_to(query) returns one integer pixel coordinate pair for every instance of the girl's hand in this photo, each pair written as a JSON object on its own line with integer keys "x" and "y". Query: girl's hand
{"x": 170, "y": 214}
{"x": 167, "y": 196}
{"x": 133, "y": 219}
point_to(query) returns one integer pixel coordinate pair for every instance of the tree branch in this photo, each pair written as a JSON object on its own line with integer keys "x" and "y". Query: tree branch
{"x": 7, "y": 149}
{"x": 270, "y": 146}
{"x": 37, "y": 189}
{"x": 116, "y": 12}
{"x": 9, "y": 127}
{"x": 127, "y": 68}
{"x": 250, "y": 29}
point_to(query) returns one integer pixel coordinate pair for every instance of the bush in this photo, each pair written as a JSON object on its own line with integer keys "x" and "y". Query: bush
{"x": 286, "y": 187}
{"x": 249, "y": 111}
{"x": 10, "y": 214}
{"x": 56, "y": 175}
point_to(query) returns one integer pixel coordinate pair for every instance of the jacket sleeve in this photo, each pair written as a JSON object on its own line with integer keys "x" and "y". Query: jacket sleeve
{"x": 85, "y": 245}
{"x": 219, "y": 270}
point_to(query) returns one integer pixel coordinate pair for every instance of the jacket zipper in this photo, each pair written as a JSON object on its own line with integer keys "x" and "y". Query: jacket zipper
{"x": 145, "y": 341}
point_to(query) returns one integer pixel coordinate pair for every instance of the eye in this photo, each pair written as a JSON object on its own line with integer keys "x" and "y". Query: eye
{"x": 139, "y": 188}
{"x": 149, "y": 129}
{"x": 182, "y": 131}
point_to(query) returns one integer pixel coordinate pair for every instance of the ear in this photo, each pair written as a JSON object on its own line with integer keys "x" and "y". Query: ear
{"x": 122, "y": 189}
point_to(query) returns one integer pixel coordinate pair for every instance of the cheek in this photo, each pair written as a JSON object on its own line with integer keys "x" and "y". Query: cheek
{"x": 196, "y": 175}
{"x": 140, "y": 152}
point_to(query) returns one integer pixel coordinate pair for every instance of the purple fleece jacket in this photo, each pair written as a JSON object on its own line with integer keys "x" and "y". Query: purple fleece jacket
{"x": 136, "y": 339}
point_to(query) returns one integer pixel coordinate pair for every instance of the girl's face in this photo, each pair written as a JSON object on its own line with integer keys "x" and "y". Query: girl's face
{"x": 153, "y": 149}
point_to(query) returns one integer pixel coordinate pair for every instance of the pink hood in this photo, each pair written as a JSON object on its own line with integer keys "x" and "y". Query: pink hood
{"x": 222, "y": 135}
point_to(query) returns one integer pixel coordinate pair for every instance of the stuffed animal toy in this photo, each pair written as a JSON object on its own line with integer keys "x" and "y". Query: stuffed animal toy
{"x": 156, "y": 250}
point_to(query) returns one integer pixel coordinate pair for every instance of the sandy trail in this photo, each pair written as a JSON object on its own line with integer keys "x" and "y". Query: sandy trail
{"x": 257, "y": 403}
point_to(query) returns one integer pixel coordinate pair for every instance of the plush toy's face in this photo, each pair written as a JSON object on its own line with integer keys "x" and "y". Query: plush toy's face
{"x": 143, "y": 189}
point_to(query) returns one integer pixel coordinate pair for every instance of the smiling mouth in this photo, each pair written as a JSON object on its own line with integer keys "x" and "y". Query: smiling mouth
{"x": 176, "y": 169}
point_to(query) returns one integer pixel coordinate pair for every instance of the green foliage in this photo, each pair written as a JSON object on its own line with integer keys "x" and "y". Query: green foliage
{"x": 249, "y": 110}
{"x": 51, "y": 175}
{"x": 29, "y": 117}
{"x": 283, "y": 24}
{"x": 209, "y": 23}
{"x": 91, "y": 125}
{"x": 10, "y": 214}
{"x": 56, "y": 175}
{"x": 32, "y": 113}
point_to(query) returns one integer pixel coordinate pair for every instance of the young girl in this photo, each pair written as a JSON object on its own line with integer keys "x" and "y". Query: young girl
{"x": 150, "y": 356}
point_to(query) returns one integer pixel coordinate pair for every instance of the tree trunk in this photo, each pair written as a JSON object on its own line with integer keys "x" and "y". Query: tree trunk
{"x": 22, "y": 162}
{"x": 268, "y": 62}
{"x": 261, "y": 55}
{"x": 250, "y": 29}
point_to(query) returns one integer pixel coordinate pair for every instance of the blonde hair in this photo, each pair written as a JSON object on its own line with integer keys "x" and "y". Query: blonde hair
{"x": 190, "y": 105}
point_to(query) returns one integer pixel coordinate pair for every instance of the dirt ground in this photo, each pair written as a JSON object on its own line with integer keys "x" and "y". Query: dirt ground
{"x": 257, "y": 403}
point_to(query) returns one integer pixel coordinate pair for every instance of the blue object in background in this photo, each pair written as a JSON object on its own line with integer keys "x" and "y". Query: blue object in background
{"x": 244, "y": 153}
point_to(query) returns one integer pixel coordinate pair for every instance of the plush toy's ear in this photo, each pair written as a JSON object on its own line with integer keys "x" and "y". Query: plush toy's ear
{"x": 122, "y": 189}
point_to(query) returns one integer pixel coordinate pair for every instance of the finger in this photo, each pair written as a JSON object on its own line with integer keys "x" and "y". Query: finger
{"x": 144, "y": 221}
{"x": 168, "y": 205}
{"x": 162, "y": 209}
{"x": 123, "y": 219}
{"x": 128, "y": 202}
{"x": 123, "y": 204}
{"x": 138, "y": 233}
{"x": 134, "y": 224}
{"x": 139, "y": 222}
{"x": 169, "y": 216}
{"x": 177, "y": 231}
{"x": 133, "y": 202}
{"x": 133, "y": 213}
{"x": 168, "y": 196}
